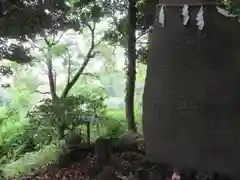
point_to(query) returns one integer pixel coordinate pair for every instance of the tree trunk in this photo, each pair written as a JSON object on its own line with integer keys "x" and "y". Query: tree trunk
{"x": 131, "y": 65}
{"x": 51, "y": 80}
{"x": 89, "y": 56}
{"x": 71, "y": 83}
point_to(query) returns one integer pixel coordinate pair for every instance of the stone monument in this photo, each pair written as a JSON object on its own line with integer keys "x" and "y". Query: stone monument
{"x": 191, "y": 101}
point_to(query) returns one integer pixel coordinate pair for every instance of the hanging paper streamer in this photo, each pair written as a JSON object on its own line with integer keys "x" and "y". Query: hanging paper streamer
{"x": 185, "y": 14}
{"x": 200, "y": 19}
{"x": 162, "y": 16}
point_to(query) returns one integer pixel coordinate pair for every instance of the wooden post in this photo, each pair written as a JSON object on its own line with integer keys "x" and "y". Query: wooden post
{"x": 88, "y": 132}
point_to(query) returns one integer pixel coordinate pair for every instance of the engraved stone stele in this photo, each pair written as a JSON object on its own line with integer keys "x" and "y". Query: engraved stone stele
{"x": 191, "y": 102}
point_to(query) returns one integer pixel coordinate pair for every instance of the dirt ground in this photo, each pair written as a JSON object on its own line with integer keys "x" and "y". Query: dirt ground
{"x": 87, "y": 169}
{"x": 79, "y": 164}
{"x": 111, "y": 161}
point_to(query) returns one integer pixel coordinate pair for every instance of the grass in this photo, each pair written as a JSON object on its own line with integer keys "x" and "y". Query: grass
{"x": 119, "y": 115}
{"x": 32, "y": 161}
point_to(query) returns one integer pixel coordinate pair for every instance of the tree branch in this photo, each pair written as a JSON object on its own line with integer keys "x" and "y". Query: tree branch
{"x": 51, "y": 76}
{"x": 55, "y": 78}
{"x": 51, "y": 79}
{"x": 52, "y": 84}
{"x": 48, "y": 43}
{"x": 57, "y": 41}
{"x": 92, "y": 75}
{"x": 37, "y": 91}
{"x": 144, "y": 33}
{"x": 89, "y": 56}
{"x": 69, "y": 70}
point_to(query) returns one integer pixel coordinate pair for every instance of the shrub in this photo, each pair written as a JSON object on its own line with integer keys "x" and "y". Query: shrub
{"x": 62, "y": 116}
{"x": 46, "y": 123}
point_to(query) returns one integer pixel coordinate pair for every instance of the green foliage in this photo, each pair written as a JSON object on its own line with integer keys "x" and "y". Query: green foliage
{"x": 46, "y": 123}
{"x": 5, "y": 70}
{"x": 58, "y": 50}
{"x": 65, "y": 114}
{"x": 43, "y": 18}
{"x": 232, "y": 6}
{"x": 23, "y": 20}
{"x": 34, "y": 141}
{"x": 34, "y": 160}
{"x": 14, "y": 136}
{"x": 118, "y": 33}
{"x": 115, "y": 124}
{"x": 30, "y": 132}
{"x": 20, "y": 158}
{"x": 114, "y": 129}
{"x": 13, "y": 147}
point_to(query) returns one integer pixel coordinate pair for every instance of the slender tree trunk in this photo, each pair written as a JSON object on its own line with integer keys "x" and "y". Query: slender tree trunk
{"x": 88, "y": 57}
{"x": 71, "y": 83}
{"x": 131, "y": 65}
{"x": 51, "y": 76}
{"x": 52, "y": 85}
{"x": 52, "y": 81}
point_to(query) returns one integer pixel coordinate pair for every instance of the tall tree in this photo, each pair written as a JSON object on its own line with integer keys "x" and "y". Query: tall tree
{"x": 25, "y": 19}
{"x": 86, "y": 15}
{"x": 53, "y": 49}
{"x": 133, "y": 20}
{"x": 131, "y": 64}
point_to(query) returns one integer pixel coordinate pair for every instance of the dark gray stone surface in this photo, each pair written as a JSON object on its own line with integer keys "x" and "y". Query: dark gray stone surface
{"x": 191, "y": 103}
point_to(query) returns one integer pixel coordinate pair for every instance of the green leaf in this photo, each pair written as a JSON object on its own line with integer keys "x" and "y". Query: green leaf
{"x": 58, "y": 50}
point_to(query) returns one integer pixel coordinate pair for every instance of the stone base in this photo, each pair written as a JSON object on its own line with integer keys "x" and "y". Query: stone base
{"x": 150, "y": 171}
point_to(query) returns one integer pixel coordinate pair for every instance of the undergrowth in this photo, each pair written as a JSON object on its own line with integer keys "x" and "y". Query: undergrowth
{"x": 113, "y": 125}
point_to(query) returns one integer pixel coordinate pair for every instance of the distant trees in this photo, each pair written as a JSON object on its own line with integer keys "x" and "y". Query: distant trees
{"x": 26, "y": 20}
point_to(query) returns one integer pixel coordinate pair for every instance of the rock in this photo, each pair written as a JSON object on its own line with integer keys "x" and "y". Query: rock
{"x": 102, "y": 150}
{"x": 107, "y": 173}
{"x": 132, "y": 156}
{"x": 188, "y": 174}
{"x": 161, "y": 172}
{"x": 123, "y": 166}
{"x": 73, "y": 141}
{"x": 96, "y": 169}
{"x": 150, "y": 171}
{"x": 143, "y": 174}
{"x": 127, "y": 142}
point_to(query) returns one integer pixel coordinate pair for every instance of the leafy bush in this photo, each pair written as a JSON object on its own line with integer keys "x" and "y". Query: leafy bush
{"x": 114, "y": 129}
{"x": 62, "y": 116}
{"x": 34, "y": 160}
{"x": 116, "y": 123}
{"x": 11, "y": 132}
{"x": 47, "y": 122}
